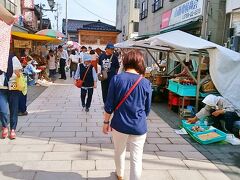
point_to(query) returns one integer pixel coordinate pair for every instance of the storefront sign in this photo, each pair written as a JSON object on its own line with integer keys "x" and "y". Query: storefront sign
{"x": 183, "y": 12}
{"x": 22, "y": 44}
{"x": 166, "y": 18}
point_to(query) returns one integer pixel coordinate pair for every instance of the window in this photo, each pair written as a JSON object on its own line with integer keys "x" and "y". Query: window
{"x": 158, "y": 4}
{"x": 9, "y": 5}
{"x": 144, "y": 10}
{"x": 137, "y": 4}
{"x": 135, "y": 26}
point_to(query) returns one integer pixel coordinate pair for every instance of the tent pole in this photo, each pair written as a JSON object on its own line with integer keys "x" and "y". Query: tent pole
{"x": 174, "y": 69}
{"x": 153, "y": 58}
{"x": 182, "y": 63}
{"x": 198, "y": 80}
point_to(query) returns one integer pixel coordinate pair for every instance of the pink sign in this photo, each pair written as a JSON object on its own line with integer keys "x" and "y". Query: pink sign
{"x": 165, "y": 19}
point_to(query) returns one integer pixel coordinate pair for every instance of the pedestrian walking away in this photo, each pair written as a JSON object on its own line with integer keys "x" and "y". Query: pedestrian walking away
{"x": 63, "y": 58}
{"x": 87, "y": 73}
{"x": 73, "y": 61}
{"x": 52, "y": 65}
{"x": 129, "y": 97}
{"x": 109, "y": 63}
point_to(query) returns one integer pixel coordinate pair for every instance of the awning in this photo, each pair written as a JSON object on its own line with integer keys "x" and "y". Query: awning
{"x": 36, "y": 37}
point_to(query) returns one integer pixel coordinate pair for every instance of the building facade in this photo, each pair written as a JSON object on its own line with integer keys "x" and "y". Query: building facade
{"x": 127, "y": 19}
{"x": 91, "y": 33}
{"x": 203, "y": 18}
{"x": 233, "y": 24}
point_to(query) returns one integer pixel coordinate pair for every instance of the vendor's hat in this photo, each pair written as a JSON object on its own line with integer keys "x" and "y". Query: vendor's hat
{"x": 110, "y": 46}
{"x": 87, "y": 57}
{"x": 34, "y": 62}
{"x": 211, "y": 100}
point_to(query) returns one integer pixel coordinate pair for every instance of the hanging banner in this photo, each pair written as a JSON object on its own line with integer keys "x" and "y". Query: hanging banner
{"x": 186, "y": 11}
{"x": 22, "y": 44}
{"x": 5, "y": 35}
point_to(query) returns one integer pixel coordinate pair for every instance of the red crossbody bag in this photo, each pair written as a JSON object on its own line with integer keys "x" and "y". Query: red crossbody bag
{"x": 78, "y": 83}
{"x": 128, "y": 93}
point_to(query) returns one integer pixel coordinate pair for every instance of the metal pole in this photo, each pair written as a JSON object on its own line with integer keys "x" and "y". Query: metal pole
{"x": 198, "y": 80}
{"x": 66, "y": 22}
{"x": 153, "y": 57}
{"x": 40, "y": 16}
{"x": 57, "y": 15}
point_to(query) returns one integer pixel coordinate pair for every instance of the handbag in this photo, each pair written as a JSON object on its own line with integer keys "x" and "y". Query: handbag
{"x": 19, "y": 85}
{"x": 128, "y": 93}
{"x": 104, "y": 73}
{"x": 79, "y": 82}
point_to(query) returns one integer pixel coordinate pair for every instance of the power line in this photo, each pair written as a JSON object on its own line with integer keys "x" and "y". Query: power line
{"x": 92, "y": 12}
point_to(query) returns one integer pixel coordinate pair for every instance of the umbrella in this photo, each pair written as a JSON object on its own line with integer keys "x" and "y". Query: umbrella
{"x": 51, "y": 33}
{"x": 73, "y": 44}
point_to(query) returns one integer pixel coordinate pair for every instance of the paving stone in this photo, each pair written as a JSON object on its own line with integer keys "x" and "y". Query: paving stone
{"x": 158, "y": 141}
{"x": 45, "y": 175}
{"x": 89, "y": 124}
{"x": 26, "y": 175}
{"x": 48, "y": 165}
{"x": 174, "y": 147}
{"x": 82, "y": 165}
{"x": 5, "y": 148}
{"x": 32, "y": 148}
{"x": 57, "y": 134}
{"x": 150, "y": 147}
{"x": 69, "y": 129}
{"x": 84, "y": 134}
{"x": 101, "y": 174}
{"x": 42, "y": 120}
{"x": 186, "y": 174}
{"x": 98, "y": 140}
{"x": 168, "y": 135}
{"x": 94, "y": 129}
{"x": 155, "y": 174}
{"x": 90, "y": 147}
{"x": 35, "y": 129}
{"x": 194, "y": 155}
{"x": 30, "y": 134}
{"x": 101, "y": 134}
{"x": 178, "y": 140}
{"x": 153, "y": 135}
{"x": 100, "y": 155}
{"x": 11, "y": 166}
{"x": 217, "y": 174}
{"x": 108, "y": 164}
{"x": 78, "y": 124}
{"x": 200, "y": 165}
{"x": 66, "y": 147}
{"x": 72, "y": 120}
{"x": 64, "y": 156}
{"x": 158, "y": 125}
{"x": 170, "y": 155}
{"x": 163, "y": 164}
{"x": 167, "y": 130}
{"x": 71, "y": 140}
{"x": 50, "y": 124}
{"x": 107, "y": 147}
{"x": 20, "y": 156}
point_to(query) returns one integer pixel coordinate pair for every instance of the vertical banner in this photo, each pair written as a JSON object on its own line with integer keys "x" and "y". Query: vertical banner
{"x": 5, "y": 36}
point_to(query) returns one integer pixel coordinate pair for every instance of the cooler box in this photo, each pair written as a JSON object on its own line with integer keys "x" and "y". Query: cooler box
{"x": 186, "y": 90}
{"x": 173, "y": 86}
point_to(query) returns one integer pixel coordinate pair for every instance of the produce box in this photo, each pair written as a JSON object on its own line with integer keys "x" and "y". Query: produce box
{"x": 173, "y": 86}
{"x": 203, "y": 134}
{"x": 186, "y": 90}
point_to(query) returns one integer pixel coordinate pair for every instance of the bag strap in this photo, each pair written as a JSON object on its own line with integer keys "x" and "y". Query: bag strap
{"x": 128, "y": 93}
{"x": 86, "y": 73}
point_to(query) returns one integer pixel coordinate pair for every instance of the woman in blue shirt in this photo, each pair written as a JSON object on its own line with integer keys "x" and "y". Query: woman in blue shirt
{"x": 128, "y": 124}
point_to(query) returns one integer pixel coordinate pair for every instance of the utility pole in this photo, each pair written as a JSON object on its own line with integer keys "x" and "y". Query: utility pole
{"x": 56, "y": 17}
{"x": 66, "y": 22}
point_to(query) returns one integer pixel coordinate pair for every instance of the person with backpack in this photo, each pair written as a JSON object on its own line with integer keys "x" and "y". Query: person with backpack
{"x": 87, "y": 73}
{"x": 129, "y": 99}
{"x": 10, "y": 95}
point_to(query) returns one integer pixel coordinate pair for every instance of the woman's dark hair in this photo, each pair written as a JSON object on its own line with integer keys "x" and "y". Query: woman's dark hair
{"x": 134, "y": 59}
{"x": 73, "y": 52}
{"x": 51, "y": 51}
{"x": 60, "y": 47}
{"x": 92, "y": 52}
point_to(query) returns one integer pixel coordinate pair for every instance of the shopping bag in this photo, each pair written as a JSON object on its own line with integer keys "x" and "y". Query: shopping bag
{"x": 103, "y": 75}
{"x": 19, "y": 85}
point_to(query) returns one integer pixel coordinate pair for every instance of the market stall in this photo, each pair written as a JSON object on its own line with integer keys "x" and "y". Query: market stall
{"x": 224, "y": 63}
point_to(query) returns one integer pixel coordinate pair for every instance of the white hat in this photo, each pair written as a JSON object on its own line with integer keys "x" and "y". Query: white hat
{"x": 211, "y": 100}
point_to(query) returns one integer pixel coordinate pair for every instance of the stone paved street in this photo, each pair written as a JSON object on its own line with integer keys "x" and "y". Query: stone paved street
{"x": 57, "y": 140}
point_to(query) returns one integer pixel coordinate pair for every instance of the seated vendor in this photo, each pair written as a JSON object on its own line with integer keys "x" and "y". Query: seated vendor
{"x": 217, "y": 108}
{"x": 184, "y": 72}
{"x": 31, "y": 72}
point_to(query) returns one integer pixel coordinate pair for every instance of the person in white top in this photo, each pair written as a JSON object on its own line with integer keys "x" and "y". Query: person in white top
{"x": 63, "y": 58}
{"x": 94, "y": 61}
{"x": 83, "y": 51}
{"x": 73, "y": 61}
{"x": 11, "y": 96}
{"x": 52, "y": 65}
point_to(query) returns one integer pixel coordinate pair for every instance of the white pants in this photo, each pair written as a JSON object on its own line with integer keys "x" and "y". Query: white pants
{"x": 136, "y": 143}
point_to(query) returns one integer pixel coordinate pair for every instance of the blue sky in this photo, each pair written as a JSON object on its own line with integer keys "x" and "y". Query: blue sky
{"x": 103, "y": 8}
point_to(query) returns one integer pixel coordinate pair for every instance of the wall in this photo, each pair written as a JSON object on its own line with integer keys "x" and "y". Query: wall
{"x": 231, "y": 5}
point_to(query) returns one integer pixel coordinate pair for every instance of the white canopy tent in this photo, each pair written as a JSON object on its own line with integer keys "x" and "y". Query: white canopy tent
{"x": 224, "y": 63}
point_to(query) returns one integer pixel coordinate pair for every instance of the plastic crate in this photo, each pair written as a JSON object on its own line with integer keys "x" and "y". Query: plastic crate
{"x": 213, "y": 140}
{"x": 173, "y": 86}
{"x": 186, "y": 90}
